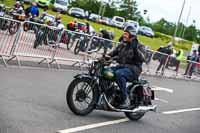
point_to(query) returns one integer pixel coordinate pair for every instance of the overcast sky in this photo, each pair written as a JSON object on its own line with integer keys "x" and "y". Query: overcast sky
{"x": 170, "y": 10}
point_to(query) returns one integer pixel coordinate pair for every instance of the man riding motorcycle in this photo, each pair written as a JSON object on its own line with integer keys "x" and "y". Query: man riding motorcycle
{"x": 130, "y": 56}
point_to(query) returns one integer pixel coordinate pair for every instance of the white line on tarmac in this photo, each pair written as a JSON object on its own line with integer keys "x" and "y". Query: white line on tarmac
{"x": 157, "y": 88}
{"x": 180, "y": 111}
{"x": 102, "y": 124}
{"x": 162, "y": 100}
{"x": 91, "y": 126}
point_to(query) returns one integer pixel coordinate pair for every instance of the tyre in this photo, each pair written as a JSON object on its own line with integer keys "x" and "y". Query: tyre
{"x": 134, "y": 116}
{"x": 36, "y": 43}
{"x": 13, "y": 28}
{"x": 26, "y": 26}
{"x": 81, "y": 91}
{"x": 77, "y": 47}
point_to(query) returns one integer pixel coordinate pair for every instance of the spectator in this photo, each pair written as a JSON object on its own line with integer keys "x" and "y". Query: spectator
{"x": 163, "y": 57}
{"x": 43, "y": 14}
{"x": 87, "y": 27}
{"x": 190, "y": 67}
{"x": 33, "y": 10}
{"x": 106, "y": 43}
{"x": 73, "y": 26}
{"x": 18, "y": 8}
{"x": 179, "y": 57}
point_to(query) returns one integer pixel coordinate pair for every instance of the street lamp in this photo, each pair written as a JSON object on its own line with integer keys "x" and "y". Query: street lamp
{"x": 179, "y": 19}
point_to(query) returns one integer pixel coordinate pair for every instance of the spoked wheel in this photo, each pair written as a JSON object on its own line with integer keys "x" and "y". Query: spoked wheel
{"x": 82, "y": 96}
{"x": 13, "y": 28}
{"x": 77, "y": 47}
{"x": 134, "y": 116}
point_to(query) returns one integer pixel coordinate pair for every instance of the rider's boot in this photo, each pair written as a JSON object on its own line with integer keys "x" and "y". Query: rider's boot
{"x": 125, "y": 104}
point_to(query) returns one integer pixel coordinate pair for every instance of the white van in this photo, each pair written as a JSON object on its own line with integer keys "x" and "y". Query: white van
{"x": 61, "y": 5}
{"x": 118, "y": 21}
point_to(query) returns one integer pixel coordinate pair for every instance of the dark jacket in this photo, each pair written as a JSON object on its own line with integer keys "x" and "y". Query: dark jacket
{"x": 106, "y": 35}
{"x": 130, "y": 55}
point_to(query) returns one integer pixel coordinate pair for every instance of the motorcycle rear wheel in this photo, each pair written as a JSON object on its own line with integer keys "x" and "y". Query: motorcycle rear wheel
{"x": 134, "y": 117}
{"x": 81, "y": 96}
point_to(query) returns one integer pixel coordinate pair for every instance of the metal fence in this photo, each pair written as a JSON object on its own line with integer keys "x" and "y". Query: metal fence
{"x": 53, "y": 45}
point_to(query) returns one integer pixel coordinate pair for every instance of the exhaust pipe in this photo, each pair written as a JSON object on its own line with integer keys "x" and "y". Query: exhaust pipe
{"x": 140, "y": 109}
{"x": 144, "y": 109}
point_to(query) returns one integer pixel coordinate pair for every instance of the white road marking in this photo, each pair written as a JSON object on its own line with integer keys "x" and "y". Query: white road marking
{"x": 91, "y": 126}
{"x": 162, "y": 100}
{"x": 180, "y": 111}
{"x": 102, "y": 124}
{"x": 157, "y": 88}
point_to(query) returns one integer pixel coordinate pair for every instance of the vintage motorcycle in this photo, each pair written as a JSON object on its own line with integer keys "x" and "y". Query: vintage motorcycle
{"x": 98, "y": 90}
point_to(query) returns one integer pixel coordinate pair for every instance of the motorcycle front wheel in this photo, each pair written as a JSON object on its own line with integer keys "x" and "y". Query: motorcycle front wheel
{"x": 82, "y": 96}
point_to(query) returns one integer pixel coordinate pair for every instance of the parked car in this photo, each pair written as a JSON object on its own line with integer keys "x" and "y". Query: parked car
{"x": 94, "y": 17}
{"x": 77, "y": 12}
{"x": 146, "y": 31}
{"x": 61, "y": 5}
{"x": 132, "y": 23}
{"x": 43, "y": 3}
{"x": 118, "y": 21}
{"x": 104, "y": 20}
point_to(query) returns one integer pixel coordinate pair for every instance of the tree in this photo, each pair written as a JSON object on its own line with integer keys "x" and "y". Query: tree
{"x": 128, "y": 9}
{"x": 191, "y": 33}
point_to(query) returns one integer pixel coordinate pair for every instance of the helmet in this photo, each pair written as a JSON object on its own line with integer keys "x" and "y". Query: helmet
{"x": 131, "y": 33}
{"x": 61, "y": 26}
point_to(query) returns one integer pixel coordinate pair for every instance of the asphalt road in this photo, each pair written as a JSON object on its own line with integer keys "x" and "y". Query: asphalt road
{"x": 33, "y": 101}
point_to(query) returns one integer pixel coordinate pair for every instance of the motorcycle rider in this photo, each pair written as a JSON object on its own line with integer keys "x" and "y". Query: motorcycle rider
{"x": 130, "y": 55}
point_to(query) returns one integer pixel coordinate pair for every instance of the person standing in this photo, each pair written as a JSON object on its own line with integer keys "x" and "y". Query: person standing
{"x": 191, "y": 65}
{"x": 164, "y": 54}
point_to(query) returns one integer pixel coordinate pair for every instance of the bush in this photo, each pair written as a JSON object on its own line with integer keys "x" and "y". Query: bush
{"x": 163, "y": 37}
{"x": 183, "y": 44}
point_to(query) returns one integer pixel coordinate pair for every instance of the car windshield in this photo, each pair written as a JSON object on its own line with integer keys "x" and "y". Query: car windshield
{"x": 119, "y": 19}
{"x": 77, "y": 10}
{"x": 61, "y": 2}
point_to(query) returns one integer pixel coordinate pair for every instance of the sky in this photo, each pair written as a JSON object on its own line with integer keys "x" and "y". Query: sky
{"x": 170, "y": 10}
